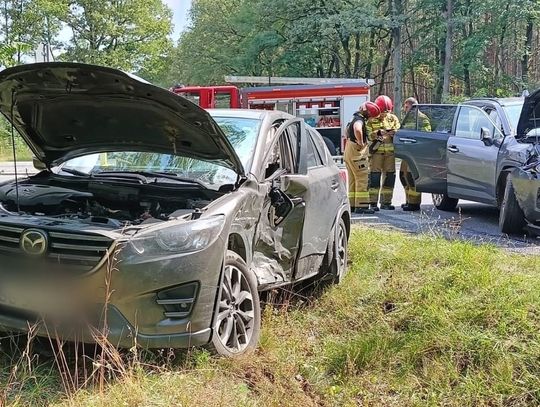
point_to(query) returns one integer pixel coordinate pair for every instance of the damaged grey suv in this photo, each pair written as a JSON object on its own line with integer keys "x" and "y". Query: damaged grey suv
{"x": 152, "y": 221}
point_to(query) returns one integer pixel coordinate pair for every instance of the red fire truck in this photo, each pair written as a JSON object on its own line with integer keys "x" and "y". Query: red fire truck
{"x": 326, "y": 104}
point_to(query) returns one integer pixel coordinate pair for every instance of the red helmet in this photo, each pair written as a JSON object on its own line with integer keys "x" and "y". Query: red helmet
{"x": 371, "y": 109}
{"x": 384, "y": 103}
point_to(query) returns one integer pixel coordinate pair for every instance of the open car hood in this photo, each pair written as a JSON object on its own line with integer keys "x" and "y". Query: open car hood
{"x": 530, "y": 115}
{"x": 65, "y": 110}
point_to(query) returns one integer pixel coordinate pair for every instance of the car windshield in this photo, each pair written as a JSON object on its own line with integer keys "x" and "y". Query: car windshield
{"x": 241, "y": 132}
{"x": 513, "y": 112}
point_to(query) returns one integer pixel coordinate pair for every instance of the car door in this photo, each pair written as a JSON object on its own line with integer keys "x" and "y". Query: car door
{"x": 421, "y": 142}
{"x": 278, "y": 236}
{"x": 323, "y": 198}
{"x": 472, "y": 156}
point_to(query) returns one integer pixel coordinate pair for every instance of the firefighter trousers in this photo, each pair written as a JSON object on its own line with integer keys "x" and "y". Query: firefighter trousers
{"x": 411, "y": 196}
{"x": 357, "y": 163}
{"x": 382, "y": 166}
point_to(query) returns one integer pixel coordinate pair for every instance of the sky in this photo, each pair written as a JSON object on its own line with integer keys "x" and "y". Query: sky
{"x": 180, "y": 9}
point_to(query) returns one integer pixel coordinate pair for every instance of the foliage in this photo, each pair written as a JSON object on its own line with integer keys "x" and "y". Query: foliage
{"x": 418, "y": 321}
{"x": 491, "y": 53}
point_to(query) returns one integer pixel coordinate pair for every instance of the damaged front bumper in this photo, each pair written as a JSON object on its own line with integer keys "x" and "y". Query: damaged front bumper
{"x": 153, "y": 301}
{"x": 526, "y": 183}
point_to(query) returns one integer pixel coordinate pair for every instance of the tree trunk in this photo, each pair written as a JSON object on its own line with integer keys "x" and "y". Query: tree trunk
{"x": 441, "y": 57}
{"x": 447, "y": 51}
{"x": 467, "y": 80}
{"x": 526, "y": 54}
{"x": 356, "y": 69}
{"x": 385, "y": 64}
{"x": 370, "y": 54}
{"x": 413, "y": 76}
{"x": 397, "y": 9}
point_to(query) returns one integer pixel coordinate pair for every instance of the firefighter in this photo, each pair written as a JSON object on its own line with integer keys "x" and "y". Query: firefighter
{"x": 413, "y": 199}
{"x": 356, "y": 158}
{"x": 382, "y": 162}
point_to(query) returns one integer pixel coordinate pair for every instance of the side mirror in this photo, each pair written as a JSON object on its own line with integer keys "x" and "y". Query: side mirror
{"x": 281, "y": 206}
{"x": 38, "y": 165}
{"x": 486, "y": 137}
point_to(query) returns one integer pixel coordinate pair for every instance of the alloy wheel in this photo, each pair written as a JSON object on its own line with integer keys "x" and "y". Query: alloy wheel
{"x": 236, "y": 316}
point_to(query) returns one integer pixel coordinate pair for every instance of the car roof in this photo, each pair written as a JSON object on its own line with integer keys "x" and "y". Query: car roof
{"x": 500, "y": 101}
{"x": 250, "y": 114}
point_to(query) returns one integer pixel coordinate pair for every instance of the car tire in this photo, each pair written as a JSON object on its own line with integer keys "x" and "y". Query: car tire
{"x": 511, "y": 217}
{"x": 444, "y": 203}
{"x": 237, "y": 324}
{"x": 337, "y": 252}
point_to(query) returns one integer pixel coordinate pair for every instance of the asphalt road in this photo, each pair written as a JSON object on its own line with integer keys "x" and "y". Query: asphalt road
{"x": 472, "y": 221}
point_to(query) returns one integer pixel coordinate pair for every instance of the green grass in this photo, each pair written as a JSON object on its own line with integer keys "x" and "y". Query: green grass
{"x": 418, "y": 321}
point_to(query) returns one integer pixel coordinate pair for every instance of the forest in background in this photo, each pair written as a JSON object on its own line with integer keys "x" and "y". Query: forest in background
{"x": 436, "y": 50}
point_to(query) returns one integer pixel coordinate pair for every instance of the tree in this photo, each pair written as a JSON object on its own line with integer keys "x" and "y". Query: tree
{"x": 127, "y": 34}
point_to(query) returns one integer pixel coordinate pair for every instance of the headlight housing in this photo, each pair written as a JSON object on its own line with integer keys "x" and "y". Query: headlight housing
{"x": 180, "y": 237}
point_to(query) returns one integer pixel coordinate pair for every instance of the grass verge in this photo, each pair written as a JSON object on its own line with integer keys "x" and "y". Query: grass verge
{"x": 418, "y": 321}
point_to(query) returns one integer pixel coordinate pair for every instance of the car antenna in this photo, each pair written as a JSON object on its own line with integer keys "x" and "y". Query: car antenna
{"x": 14, "y": 152}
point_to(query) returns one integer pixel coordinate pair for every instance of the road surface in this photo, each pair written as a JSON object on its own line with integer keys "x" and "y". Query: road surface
{"x": 472, "y": 221}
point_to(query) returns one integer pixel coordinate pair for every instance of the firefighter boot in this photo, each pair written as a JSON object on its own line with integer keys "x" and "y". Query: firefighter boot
{"x": 410, "y": 207}
{"x": 387, "y": 191}
{"x": 374, "y": 187}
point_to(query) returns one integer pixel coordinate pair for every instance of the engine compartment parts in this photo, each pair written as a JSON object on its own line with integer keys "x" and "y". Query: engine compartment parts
{"x": 108, "y": 203}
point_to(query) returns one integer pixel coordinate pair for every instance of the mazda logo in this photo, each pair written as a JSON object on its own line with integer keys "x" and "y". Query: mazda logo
{"x": 34, "y": 242}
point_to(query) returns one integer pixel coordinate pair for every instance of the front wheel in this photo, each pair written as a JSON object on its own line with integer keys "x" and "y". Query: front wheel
{"x": 511, "y": 217}
{"x": 238, "y": 323}
{"x": 444, "y": 203}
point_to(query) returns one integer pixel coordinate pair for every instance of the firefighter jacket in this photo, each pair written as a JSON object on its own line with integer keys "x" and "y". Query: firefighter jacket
{"x": 390, "y": 122}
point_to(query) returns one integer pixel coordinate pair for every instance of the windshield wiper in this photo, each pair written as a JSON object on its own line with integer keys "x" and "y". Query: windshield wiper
{"x": 151, "y": 174}
{"x": 75, "y": 172}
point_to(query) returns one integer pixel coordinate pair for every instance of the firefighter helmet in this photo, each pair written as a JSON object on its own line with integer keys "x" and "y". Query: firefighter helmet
{"x": 385, "y": 103}
{"x": 371, "y": 109}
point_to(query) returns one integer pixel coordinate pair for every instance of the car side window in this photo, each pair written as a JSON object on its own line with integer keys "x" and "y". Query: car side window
{"x": 470, "y": 122}
{"x": 292, "y": 139}
{"x": 496, "y": 119}
{"x": 320, "y": 146}
{"x": 409, "y": 121}
{"x": 283, "y": 153}
{"x": 313, "y": 159}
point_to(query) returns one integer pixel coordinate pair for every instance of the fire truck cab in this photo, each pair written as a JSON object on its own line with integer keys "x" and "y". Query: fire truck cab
{"x": 210, "y": 97}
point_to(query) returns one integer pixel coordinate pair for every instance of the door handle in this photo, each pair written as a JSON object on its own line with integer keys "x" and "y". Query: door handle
{"x": 453, "y": 149}
{"x": 407, "y": 140}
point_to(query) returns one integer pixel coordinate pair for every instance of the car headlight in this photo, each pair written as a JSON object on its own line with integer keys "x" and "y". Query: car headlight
{"x": 186, "y": 237}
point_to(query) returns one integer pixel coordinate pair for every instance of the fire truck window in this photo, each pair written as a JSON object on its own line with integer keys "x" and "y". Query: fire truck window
{"x": 223, "y": 100}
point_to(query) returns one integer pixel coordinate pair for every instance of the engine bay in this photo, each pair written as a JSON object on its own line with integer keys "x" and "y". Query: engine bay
{"x": 113, "y": 203}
